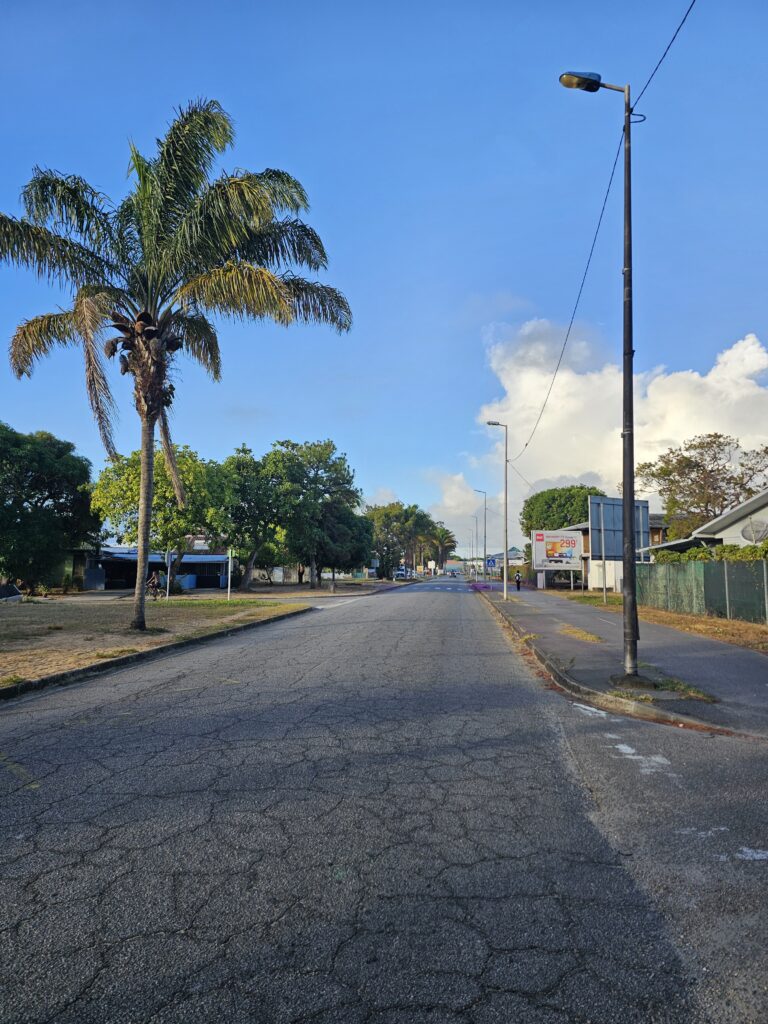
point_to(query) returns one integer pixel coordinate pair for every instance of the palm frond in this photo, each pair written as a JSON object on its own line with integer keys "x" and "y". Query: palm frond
{"x": 239, "y": 290}
{"x": 286, "y": 194}
{"x": 67, "y": 204}
{"x": 49, "y": 254}
{"x": 90, "y": 313}
{"x": 99, "y": 395}
{"x": 171, "y": 463}
{"x": 199, "y": 132}
{"x": 35, "y": 338}
{"x": 199, "y": 339}
{"x": 146, "y": 206}
{"x": 313, "y": 302}
{"x": 221, "y": 219}
{"x": 284, "y": 242}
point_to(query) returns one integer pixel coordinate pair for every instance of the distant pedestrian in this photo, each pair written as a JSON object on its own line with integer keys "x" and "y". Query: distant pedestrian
{"x": 518, "y": 580}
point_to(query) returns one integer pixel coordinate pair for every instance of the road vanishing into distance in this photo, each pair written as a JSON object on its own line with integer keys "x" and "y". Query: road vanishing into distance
{"x": 375, "y": 813}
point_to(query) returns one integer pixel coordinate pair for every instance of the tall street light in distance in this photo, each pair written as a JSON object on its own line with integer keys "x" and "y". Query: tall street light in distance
{"x": 474, "y": 560}
{"x": 588, "y": 81}
{"x": 485, "y": 530}
{"x": 495, "y": 423}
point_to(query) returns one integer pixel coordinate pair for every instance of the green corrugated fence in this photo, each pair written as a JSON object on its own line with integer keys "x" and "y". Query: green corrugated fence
{"x": 732, "y": 590}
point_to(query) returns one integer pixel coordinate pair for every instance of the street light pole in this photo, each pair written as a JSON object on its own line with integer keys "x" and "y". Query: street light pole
{"x": 474, "y": 560}
{"x": 485, "y": 533}
{"x": 590, "y": 82}
{"x": 496, "y": 423}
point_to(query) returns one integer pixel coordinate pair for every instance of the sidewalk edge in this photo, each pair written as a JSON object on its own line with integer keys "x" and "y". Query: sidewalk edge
{"x": 620, "y": 705}
{"x": 76, "y": 674}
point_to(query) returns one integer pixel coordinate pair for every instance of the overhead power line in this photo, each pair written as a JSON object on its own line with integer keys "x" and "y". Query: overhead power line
{"x": 594, "y": 237}
{"x": 663, "y": 56}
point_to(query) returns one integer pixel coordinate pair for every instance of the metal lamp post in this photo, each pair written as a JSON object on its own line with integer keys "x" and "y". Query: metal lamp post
{"x": 495, "y": 423}
{"x": 591, "y": 82}
{"x": 474, "y": 560}
{"x": 485, "y": 532}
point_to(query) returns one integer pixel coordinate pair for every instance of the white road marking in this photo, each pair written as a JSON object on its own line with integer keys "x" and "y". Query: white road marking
{"x": 746, "y": 853}
{"x": 705, "y": 833}
{"x": 649, "y": 763}
{"x": 585, "y": 709}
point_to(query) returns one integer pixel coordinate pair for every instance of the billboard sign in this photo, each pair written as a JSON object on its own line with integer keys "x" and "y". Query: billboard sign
{"x": 606, "y": 528}
{"x": 556, "y": 549}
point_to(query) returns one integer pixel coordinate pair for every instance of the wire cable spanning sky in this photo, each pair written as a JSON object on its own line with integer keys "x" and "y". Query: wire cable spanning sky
{"x": 594, "y": 240}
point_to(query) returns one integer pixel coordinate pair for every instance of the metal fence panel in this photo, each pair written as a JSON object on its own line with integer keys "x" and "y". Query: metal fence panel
{"x": 745, "y": 588}
{"x": 737, "y": 590}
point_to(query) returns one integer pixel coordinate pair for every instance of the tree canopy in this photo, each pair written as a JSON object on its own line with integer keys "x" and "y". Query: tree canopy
{"x": 116, "y": 499}
{"x": 307, "y": 478}
{"x": 556, "y": 508}
{"x": 45, "y": 505}
{"x": 703, "y": 478}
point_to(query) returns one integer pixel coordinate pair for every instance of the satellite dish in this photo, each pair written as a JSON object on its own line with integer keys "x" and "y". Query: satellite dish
{"x": 755, "y": 531}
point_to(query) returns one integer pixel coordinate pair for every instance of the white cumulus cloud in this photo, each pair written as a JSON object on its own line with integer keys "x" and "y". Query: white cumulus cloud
{"x": 579, "y": 437}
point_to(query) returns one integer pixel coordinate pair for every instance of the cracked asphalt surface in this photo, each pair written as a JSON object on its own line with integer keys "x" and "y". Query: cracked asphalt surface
{"x": 375, "y": 814}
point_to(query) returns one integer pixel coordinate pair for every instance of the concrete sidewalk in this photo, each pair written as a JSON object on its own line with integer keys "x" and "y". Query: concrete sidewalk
{"x": 585, "y": 644}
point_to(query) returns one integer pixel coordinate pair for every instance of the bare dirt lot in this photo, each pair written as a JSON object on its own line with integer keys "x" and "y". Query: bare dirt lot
{"x": 42, "y": 636}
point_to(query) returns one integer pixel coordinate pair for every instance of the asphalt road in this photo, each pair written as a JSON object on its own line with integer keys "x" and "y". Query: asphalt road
{"x": 376, "y": 813}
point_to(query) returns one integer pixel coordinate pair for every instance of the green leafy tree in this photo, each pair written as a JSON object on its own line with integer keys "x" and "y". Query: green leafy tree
{"x": 345, "y": 542}
{"x": 247, "y": 514}
{"x": 270, "y": 553}
{"x": 116, "y": 499}
{"x": 391, "y": 535}
{"x": 556, "y": 508}
{"x": 307, "y": 477}
{"x": 703, "y": 478}
{"x": 45, "y": 504}
{"x": 179, "y": 248}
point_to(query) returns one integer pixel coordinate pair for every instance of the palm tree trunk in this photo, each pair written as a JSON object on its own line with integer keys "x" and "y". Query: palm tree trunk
{"x": 145, "y": 518}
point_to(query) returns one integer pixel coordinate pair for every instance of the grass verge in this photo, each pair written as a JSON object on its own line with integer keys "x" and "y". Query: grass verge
{"x": 57, "y": 635}
{"x": 580, "y": 634}
{"x": 752, "y": 635}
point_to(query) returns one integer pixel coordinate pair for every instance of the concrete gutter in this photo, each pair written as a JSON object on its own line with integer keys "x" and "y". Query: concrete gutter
{"x": 605, "y": 701}
{"x": 76, "y": 674}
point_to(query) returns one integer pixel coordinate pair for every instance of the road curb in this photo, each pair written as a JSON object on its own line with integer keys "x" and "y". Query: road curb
{"x": 604, "y": 701}
{"x": 76, "y": 674}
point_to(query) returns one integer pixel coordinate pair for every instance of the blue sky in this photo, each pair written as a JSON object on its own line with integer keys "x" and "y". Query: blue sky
{"x": 456, "y": 186}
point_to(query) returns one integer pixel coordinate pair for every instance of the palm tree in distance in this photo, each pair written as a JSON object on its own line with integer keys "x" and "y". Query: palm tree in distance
{"x": 445, "y": 543}
{"x": 180, "y": 247}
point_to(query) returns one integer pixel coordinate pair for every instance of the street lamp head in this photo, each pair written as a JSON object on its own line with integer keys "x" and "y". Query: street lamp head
{"x": 588, "y": 81}
{"x": 492, "y": 423}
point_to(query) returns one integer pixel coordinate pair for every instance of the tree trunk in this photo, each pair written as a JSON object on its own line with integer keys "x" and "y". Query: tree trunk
{"x": 312, "y": 572}
{"x": 176, "y": 564}
{"x": 145, "y": 519}
{"x": 333, "y": 580}
{"x": 245, "y": 582}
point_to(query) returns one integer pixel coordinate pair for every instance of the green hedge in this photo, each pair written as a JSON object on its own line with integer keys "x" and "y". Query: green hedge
{"x": 721, "y": 553}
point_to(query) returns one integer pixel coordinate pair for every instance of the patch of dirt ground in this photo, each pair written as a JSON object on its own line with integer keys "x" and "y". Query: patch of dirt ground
{"x": 42, "y": 636}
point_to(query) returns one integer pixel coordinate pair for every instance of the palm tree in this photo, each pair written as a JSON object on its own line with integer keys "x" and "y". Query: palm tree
{"x": 445, "y": 543}
{"x": 180, "y": 247}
